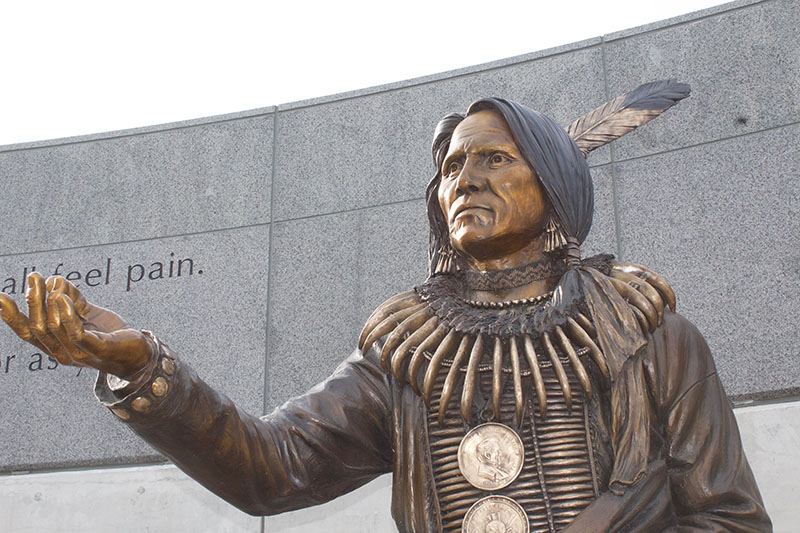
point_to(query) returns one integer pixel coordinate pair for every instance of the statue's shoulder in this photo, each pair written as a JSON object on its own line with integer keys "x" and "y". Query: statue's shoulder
{"x": 411, "y": 327}
{"x": 391, "y": 313}
{"x": 647, "y": 292}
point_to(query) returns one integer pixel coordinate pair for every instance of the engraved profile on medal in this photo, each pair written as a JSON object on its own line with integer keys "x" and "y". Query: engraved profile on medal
{"x": 496, "y": 514}
{"x": 490, "y": 456}
{"x": 491, "y": 461}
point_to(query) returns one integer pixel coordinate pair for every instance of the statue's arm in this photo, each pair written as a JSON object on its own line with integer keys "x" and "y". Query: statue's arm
{"x": 314, "y": 448}
{"x": 712, "y": 486}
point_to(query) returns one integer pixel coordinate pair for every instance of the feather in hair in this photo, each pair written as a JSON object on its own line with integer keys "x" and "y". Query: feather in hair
{"x": 625, "y": 113}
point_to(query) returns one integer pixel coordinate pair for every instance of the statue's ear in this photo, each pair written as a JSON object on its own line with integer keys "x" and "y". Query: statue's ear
{"x": 625, "y": 113}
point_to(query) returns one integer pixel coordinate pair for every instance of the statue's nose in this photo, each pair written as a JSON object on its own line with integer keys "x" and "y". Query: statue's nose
{"x": 470, "y": 180}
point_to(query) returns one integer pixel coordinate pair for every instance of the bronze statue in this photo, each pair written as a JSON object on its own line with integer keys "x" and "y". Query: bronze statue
{"x": 520, "y": 388}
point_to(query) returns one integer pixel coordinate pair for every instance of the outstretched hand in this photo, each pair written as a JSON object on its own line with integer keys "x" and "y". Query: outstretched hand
{"x": 64, "y": 325}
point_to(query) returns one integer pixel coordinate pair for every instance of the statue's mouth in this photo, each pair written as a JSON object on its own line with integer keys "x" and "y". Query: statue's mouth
{"x": 467, "y": 209}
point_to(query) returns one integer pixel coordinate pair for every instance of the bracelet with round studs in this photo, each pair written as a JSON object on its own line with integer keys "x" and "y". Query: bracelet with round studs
{"x": 159, "y": 383}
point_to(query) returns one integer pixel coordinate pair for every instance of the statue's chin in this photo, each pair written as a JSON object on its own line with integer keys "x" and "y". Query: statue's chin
{"x": 485, "y": 243}
{"x": 481, "y": 246}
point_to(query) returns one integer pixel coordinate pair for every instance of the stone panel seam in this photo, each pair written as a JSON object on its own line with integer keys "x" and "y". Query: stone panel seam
{"x": 353, "y": 210}
{"x": 94, "y": 137}
{"x": 739, "y": 402}
{"x": 688, "y": 21}
{"x": 269, "y": 267}
{"x": 415, "y": 199}
{"x": 704, "y": 143}
{"x": 612, "y": 157}
{"x": 144, "y": 239}
{"x": 767, "y": 397}
{"x": 605, "y": 71}
{"x": 121, "y": 462}
{"x": 374, "y": 206}
{"x": 78, "y": 467}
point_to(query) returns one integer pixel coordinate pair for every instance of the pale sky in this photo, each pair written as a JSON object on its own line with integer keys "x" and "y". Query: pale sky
{"x": 78, "y": 67}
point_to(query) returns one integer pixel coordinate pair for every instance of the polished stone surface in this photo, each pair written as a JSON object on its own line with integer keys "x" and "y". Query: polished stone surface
{"x": 124, "y": 500}
{"x": 212, "y": 315}
{"x": 720, "y": 222}
{"x": 328, "y": 275}
{"x": 166, "y": 182}
{"x": 771, "y": 439}
{"x": 365, "y": 510}
{"x": 743, "y": 66}
{"x": 446, "y": 75}
{"x": 602, "y": 237}
{"x": 689, "y": 18}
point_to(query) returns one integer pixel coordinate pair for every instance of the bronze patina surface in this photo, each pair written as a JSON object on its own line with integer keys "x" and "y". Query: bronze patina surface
{"x": 520, "y": 388}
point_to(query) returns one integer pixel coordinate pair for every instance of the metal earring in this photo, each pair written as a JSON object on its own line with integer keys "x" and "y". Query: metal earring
{"x": 554, "y": 236}
{"x": 447, "y": 261}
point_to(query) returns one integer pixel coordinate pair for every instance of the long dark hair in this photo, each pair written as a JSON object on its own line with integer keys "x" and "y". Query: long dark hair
{"x": 549, "y": 151}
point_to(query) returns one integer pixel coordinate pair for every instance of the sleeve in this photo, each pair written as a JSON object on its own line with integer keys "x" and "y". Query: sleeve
{"x": 712, "y": 486}
{"x": 312, "y": 449}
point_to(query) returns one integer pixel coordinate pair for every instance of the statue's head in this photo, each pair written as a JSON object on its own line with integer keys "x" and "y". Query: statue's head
{"x": 489, "y": 452}
{"x": 503, "y": 172}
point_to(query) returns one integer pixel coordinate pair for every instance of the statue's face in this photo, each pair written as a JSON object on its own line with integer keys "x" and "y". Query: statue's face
{"x": 490, "y": 452}
{"x": 492, "y": 200}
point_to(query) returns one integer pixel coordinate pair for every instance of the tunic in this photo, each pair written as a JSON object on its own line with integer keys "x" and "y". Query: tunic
{"x": 360, "y": 423}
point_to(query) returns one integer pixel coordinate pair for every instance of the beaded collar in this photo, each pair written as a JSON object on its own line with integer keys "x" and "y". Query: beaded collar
{"x": 510, "y": 303}
{"x": 549, "y": 267}
{"x": 434, "y": 328}
{"x": 444, "y": 295}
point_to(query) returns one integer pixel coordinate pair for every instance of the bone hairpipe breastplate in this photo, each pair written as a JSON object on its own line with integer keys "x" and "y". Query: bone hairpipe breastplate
{"x": 558, "y": 477}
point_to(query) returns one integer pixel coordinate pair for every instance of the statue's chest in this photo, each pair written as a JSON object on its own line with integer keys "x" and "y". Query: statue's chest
{"x": 495, "y": 476}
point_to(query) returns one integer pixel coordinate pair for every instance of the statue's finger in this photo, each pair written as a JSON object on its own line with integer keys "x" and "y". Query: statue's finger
{"x": 22, "y": 327}
{"x": 37, "y": 305}
{"x": 15, "y": 318}
{"x": 53, "y": 316}
{"x": 53, "y": 282}
{"x": 73, "y": 326}
{"x": 61, "y": 349}
{"x": 43, "y": 322}
{"x": 76, "y": 354}
{"x": 62, "y": 285}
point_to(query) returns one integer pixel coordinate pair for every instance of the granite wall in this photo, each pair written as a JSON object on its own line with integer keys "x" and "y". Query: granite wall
{"x": 256, "y": 244}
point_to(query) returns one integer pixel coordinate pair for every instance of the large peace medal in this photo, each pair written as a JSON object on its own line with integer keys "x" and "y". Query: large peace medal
{"x": 490, "y": 456}
{"x": 496, "y": 514}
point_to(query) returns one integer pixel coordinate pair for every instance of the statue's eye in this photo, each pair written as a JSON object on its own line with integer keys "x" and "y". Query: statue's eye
{"x": 453, "y": 168}
{"x": 497, "y": 158}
